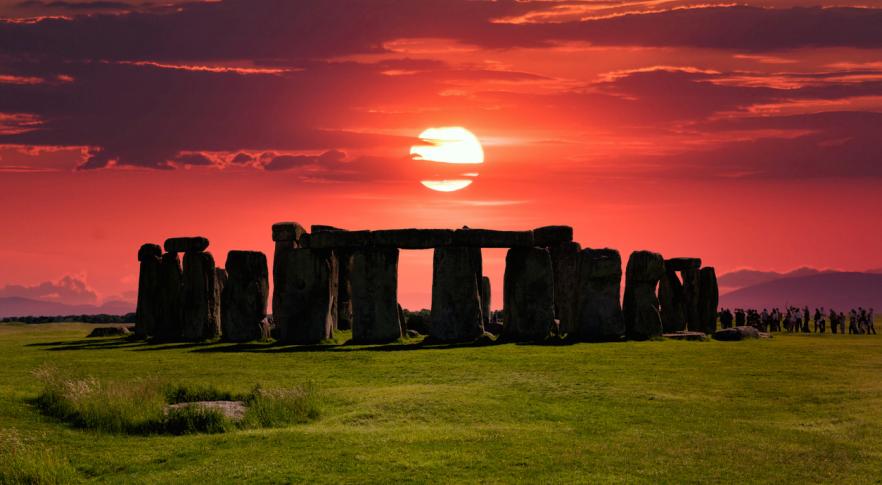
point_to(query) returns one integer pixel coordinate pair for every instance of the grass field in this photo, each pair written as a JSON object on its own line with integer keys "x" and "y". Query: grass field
{"x": 805, "y": 409}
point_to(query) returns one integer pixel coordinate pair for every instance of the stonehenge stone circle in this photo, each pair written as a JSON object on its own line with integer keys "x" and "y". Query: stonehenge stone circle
{"x": 330, "y": 278}
{"x": 244, "y": 297}
{"x": 709, "y": 300}
{"x": 200, "y": 298}
{"x": 308, "y": 298}
{"x": 373, "y": 275}
{"x": 599, "y": 309}
{"x": 168, "y": 298}
{"x": 528, "y": 294}
{"x": 565, "y": 264}
{"x": 641, "y": 306}
{"x": 146, "y": 317}
{"x": 456, "y": 295}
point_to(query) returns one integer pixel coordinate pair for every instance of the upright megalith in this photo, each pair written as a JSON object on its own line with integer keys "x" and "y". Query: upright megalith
{"x": 599, "y": 310}
{"x": 168, "y": 298}
{"x": 709, "y": 300}
{"x": 485, "y": 300}
{"x": 672, "y": 301}
{"x": 286, "y": 236}
{"x": 307, "y": 303}
{"x": 373, "y": 276}
{"x": 688, "y": 269}
{"x": 641, "y": 307}
{"x": 344, "y": 289}
{"x": 528, "y": 294}
{"x": 147, "y": 309}
{"x": 200, "y": 298}
{"x": 244, "y": 297}
{"x": 456, "y": 294}
{"x": 565, "y": 263}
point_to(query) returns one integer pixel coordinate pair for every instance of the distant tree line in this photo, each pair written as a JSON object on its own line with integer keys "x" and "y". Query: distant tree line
{"x": 100, "y": 318}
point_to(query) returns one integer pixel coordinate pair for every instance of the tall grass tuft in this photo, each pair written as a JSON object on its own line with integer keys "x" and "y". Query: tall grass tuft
{"x": 31, "y": 463}
{"x": 142, "y": 406}
{"x": 269, "y": 408}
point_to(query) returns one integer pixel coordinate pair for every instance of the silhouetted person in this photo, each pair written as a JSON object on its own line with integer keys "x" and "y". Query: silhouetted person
{"x": 871, "y": 325}
{"x": 726, "y": 318}
{"x": 739, "y": 317}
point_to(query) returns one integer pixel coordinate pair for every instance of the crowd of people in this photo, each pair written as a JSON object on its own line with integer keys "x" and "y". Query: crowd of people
{"x": 795, "y": 320}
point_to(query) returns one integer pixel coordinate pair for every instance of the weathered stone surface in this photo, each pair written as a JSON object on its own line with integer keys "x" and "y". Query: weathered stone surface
{"x": 244, "y": 297}
{"x": 487, "y": 238}
{"x": 195, "y": 244}
{"x": 528, "y": 294}
{"x": 736, "y": 333}
{"x": 280, "y": 255}
{"x": 308, "y": 300}
{"x": 708, "y": 300}
{"x": 344, "y": 289}
{"x": 147, "y": 310}
{"x": 691, "y": 288}
{"x": 552, "y": 235}
{"x": 373, "y": 277}
{"x": 686, "y": 335}
{"x": 413, "y": 238}
{"x": 222, "y": 278}
{"x": 401, "y": 322}
{"x": 168, "y": 298}
{"x": 200, "y": 298}
{"x": 456, "y": 295}
{"x": 340, "y": 239}
{"x": 288, "y": 232}
{"x": 486, "y": 298}
{"x": 315, "y": 228}
{"x": 599, "y": 310}
{"x": 682, "y": 264}
{"x": 672, "y": 301}
{"x": 565, "y": 262}
{"x": 641, "y": 307}
{"x": 149, "y": 251}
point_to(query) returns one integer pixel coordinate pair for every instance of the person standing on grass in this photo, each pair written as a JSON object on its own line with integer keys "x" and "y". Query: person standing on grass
{"x": 871, "y": 325}
{"x": 817, "y": 321}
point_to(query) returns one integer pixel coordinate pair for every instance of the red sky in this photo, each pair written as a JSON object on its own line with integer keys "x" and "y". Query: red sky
{"x": 746, "y": 135}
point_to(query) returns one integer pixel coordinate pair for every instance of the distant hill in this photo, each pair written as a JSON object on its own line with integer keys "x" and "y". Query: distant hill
{"x": 839, "y": 290}
{"x": 19, "y": 307}
{"x": 750, "y": 277}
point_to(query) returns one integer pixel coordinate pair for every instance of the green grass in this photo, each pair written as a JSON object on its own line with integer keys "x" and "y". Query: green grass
{"x": 805, "y": 409}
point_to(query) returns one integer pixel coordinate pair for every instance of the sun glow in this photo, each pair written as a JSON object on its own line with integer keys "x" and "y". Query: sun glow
{"x": 453, "y": 145}
{"x": 449, "y": 144}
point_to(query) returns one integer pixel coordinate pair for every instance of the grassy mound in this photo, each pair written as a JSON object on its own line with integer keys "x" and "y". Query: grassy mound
{"x": 142, "y": 406}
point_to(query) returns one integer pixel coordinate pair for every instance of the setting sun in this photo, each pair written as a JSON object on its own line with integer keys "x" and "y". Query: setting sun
{"x": 452, "y": 145}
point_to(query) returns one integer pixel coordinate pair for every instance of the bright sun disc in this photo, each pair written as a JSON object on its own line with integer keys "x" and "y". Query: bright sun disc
{"x": 449, "y": 144}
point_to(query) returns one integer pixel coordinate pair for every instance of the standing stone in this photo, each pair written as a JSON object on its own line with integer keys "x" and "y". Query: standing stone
{"x": 709, "y": 300}
{"x": 672, "y": 301}
{"x": 244, "y": 297}
{"x": 528, "y": 294}
{"x": 287, "y": 236}
{"x": 222, "y": 278}
{"x": 485, "y": 300}
{"x": 308, "y": 299}
{"x": 456, "y": 295}
{"x": 374, "y": 281}
{"x": 599, "y": 309}
{"x": 168, "y": 298}
{"x": 147, "y": 309}
{"x": 344, "y": 289}
{"x": 688, "y": 268}
{"x": 642, "y": 320}
{"x": 200, "y": 298}
{"x": 565, "y": 262}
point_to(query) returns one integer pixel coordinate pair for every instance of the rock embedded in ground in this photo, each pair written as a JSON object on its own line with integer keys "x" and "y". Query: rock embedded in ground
{"x": 456, "y": 295}
{"x": 565, "y": 263}
{"x": 374, "y": 281}
{"x": 200, "y": 298}
{"x": 244, "y": 297}
{"x": 110, "y": 331}
{"x": 599, "y": 308}
{"x": 737, "y": 333}
{"x": 195, "y": 244}
{"x": 528, "y": 294}
{"x": 640, "y": 306}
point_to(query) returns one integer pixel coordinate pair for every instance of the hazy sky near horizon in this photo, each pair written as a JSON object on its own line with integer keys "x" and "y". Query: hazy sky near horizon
{"x": 748, "y": 135}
